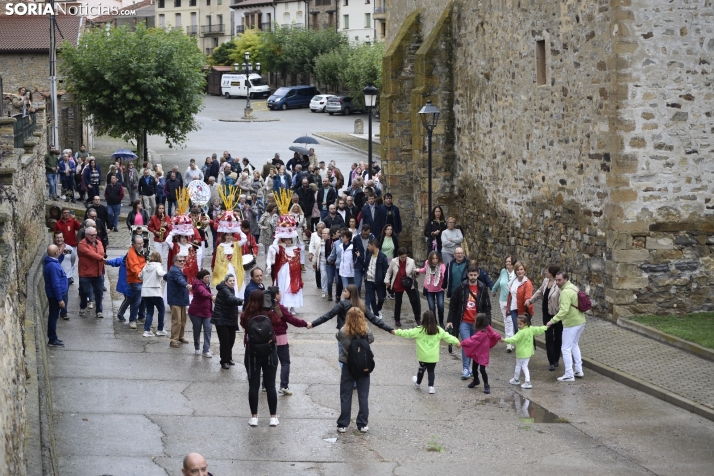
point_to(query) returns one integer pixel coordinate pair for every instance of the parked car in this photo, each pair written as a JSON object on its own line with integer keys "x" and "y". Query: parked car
{"x": 319, "y": 102}
{"x": 341, "y": 104}
{"x": 292, "y": 96}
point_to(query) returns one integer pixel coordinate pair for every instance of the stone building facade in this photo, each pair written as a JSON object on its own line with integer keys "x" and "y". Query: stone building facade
{"x": 575, "y": 133}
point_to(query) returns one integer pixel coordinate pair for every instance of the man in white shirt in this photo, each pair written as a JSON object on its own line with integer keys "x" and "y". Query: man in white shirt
{"x": 192, "y": 173}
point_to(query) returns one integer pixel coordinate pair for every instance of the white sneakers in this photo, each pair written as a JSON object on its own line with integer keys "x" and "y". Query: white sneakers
{"x": 414, "y": 379}
{"x": 197, "y": 351}
{"x": 514, "y": 381}
{"x": 324, "y": 295}
{"x": 149, "y": 334}
{"x": 565, "y": 378}
{"x": 273, "y": 421}
{"x": 364, "y": 429}
{"x": 509, "y": 348}
{"x": 162, "y": 333}
{"x": 526, "y": 385}
{"x": 285, "y": 391}
{"x": 253, "y": 421}
{"x": 90, "y": 305}
{"x": 431, "y": 390}
{"x": 208, "y": 355}
{"x": 132, "y": 325}
{"x": 579, "y": 374}
{"x": 342, "y": 429}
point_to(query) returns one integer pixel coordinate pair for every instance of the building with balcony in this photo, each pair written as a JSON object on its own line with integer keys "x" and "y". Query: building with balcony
{"x": 210, "y": 21}
{"x": 143, "y": 12}
{"x": 380, "y": 20}
{"x": 355, "y": 20}
{"x": 263, "y": 14}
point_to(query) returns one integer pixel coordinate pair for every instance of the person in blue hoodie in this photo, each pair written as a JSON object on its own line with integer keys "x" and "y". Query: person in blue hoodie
{"x": 123, "y": 288}
{"x": 56, "y": 285}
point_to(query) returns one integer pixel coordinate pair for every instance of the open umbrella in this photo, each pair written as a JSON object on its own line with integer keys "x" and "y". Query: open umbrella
{"x": 305, "y": 140}
{"x": 124, "y": 155}
{"x": 299, "y": 150}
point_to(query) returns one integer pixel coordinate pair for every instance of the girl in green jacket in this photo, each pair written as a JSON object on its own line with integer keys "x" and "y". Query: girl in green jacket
{"x": 525, "y": 348}
{"x": 428, "y": 338}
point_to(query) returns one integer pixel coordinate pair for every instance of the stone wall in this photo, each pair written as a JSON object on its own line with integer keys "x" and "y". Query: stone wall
{"x": 22, "y": 234}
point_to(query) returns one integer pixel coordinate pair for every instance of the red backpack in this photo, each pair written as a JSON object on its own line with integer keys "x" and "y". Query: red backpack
{"x": 584, "y": 303}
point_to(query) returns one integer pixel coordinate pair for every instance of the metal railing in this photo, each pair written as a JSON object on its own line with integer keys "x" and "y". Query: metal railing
{"x": 266, "y": 26}
{"x": 192, "y": 30}
{"x": 240, "y": 29}
{"x": 378, "y": 10}
{"x": 209, "y": 29}
{"x": 24, "y": 127}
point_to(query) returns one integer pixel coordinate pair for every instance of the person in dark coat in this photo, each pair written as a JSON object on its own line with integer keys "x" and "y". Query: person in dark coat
{"x": 177, "y": 288}
{"x": 173, "y": 182}
{"x": 374, "y": 287}
{"x": 433, "y": 229}
{"x": 255, "y": 283}
{"x": 225, "y": 318}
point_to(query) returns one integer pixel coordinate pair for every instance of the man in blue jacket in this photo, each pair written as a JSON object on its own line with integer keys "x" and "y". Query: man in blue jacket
{"x": 177, "y": 289}
{"x": 360, "y": 254}
{"x": 377, "y": 265}
{"x": 56, "y": 285}
{"x": 255, "y": 283}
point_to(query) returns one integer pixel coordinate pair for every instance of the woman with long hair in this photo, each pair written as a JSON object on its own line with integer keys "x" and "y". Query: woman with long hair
{"x": 433, "y": 229}
{"x": 352, "y": 225}
{"x": 255, "y": 364}
{"x": 550, "y": 293}
{"x": 433, "y": 279}
{"x": 137, "y": 216}
{"x": 225, "y": 318}
{"x": 355, "y": 327}
{"x": 92, "y": 177}
{"x": 389, "y": 244}
{"x": 501, "y": 285}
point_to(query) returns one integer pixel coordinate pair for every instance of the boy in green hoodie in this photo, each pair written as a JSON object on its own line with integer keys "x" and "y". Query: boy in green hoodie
{"x": 428, "y": 338}
{"x": 525, "y": 348}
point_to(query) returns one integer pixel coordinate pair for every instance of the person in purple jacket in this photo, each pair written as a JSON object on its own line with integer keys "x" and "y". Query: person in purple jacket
{"x": 200, "y": 312}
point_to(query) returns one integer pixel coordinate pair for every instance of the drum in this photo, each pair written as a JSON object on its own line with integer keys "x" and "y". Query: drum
{"x": 249, "y": 262}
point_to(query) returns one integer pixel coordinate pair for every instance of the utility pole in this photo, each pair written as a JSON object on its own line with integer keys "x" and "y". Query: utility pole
{"x": 53, "y": 78}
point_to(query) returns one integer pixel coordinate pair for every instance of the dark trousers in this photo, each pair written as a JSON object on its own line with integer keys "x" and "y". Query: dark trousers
{"x": 87, "y": 285}
{"x": 92, "y": 191}
{"x": 170, "y": 204}
{"x": 374, "y": 295}
{"x": 553, "y": 340}
{"x": 65, "y": 298}
{"x": 226, "y": 339}
{"x": 318, "y": 276}
{"x": 148, "y": 303}
{"x": 482, "y": 368}
{"x": 413, "y": 300}
{"x": 268, "y": 365}
{"x": 54, "y": 312}
{"x": 347, "y": 382}
{"x": 284, "y": 358}
{"x": 426, "y": 367}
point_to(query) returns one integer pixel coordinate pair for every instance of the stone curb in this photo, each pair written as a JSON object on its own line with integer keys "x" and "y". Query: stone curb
{"x": 634, "y": 382}
{"x": 669, "y": 339}
{"x": 377, "y": 156}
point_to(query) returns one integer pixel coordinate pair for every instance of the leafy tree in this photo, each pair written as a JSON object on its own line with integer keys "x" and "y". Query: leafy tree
{"x": 304, "y": 46}
{"x": 272, "y": 49}
{"x": 329, "y": 66}
{"x": 249, "y": 41}
{"x": 130, "y": 82}
{"x": 364, "y": 66}
{"x": 221, "y": 55}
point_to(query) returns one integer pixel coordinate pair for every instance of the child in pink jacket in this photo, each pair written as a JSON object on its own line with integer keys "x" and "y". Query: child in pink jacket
{"x": 478, "y": 346}
{"x": 433, "y": 271}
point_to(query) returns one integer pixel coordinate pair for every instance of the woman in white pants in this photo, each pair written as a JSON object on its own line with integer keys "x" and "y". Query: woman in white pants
{"x": 507, "y": 274}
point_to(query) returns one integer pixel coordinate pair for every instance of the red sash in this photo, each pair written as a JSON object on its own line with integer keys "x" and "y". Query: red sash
{"x": 295, "y": 268}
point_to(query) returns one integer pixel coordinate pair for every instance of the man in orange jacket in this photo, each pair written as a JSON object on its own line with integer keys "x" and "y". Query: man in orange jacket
{"x": 91, "y": 270}
{"x": 135, "y": 262}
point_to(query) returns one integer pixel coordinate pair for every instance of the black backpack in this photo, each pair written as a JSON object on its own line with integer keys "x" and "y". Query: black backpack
{"x": 261, "y": 340}
{"x": 360, "y": 359}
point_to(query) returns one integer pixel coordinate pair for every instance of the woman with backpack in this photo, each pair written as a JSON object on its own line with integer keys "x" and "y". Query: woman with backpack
{"x": 260, "y": 352}
{"x": 350, "y": 299}
{"x": 354, "y": 338}
{"x": 225, "y": 318}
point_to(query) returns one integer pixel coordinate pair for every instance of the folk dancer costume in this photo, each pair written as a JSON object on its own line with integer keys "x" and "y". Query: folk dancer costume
{"x": 228, "y": 258}
{"x": 283, "y": 258}
{"x": 161, "y": 227}
{"x": 183, "y": 226}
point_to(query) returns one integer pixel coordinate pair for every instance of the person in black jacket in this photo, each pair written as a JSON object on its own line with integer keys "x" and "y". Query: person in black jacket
{"x": 173, "y": 183}
{"x": 225, "y": 318}
{"x": 137, "y": 209}
{"x": 359, "y": 251}
{"x": 374, "y": 287}
{"x": 471, "y": 297}
{"x": 433, "y": 229}
{"x": 332, "y": 218}
{"x": 350, "y": 299}
{"x": 326, "y": 196}
{"x": 147, "y": 191}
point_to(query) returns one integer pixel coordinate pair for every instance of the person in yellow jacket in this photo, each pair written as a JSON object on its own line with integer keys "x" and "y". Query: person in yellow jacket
{"x": 573, "y": 325}
{"x": 525, "y": 348}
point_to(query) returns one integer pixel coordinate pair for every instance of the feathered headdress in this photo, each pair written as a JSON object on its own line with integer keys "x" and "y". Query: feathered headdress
{"x": 229, "y": 222}
{"x": 182, "y": 223}
{"x": 284, "y": 199}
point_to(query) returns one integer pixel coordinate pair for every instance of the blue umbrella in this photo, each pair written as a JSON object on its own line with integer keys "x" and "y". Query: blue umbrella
{"x": 124, "y": 155}
{"x": 305, "y": 140}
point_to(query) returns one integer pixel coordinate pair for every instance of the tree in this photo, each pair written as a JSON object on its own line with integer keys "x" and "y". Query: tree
{"x": 303, "y": 47}
{"x": 129, "y": 82}
{"x": 249, "y": 41}
{"x": 329, "y": 67}
{"x": 364, "y": 66}
{"x": 221, "y": 55}
{"x": 272, "y": 49}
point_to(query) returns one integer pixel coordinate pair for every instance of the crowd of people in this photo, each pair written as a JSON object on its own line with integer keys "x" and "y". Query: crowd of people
{"x": 309, "y": 224}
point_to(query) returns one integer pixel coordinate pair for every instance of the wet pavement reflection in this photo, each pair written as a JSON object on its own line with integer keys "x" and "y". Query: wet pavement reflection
{"x": 526, "y": 410}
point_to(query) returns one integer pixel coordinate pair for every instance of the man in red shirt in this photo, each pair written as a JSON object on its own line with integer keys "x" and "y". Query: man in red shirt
{"x": 69, "y": 226}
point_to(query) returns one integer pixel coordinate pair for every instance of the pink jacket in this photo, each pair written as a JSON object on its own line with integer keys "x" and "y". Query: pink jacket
{"x": 429, "y": 286}
{"x": 477, "y": 346}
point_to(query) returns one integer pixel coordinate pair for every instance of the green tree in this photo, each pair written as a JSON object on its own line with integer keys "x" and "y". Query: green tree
{"x": 221, "y": 56}
{"x": 364, "y": 66}
{"x": 303, "y": 47}
{"x": 329, "y": 66}
{"x": 130, "y": 82}
{"x": 249, "y": 41}
{"x": 272, "y": 49}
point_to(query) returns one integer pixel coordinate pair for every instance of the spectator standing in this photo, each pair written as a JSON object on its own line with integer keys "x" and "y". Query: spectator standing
{"x": 359, "y": 247}
{"x": 68, "y": 260}
{"x": 114, "y": 194}
{"x": 520, "y": 289}
{"x": 375, "y": 289}
{"x": 102, "y": 211}
{"x": 152, "y": 293}
{"x": 80, "y": 163}
{"x": 68, "y": 225}
{"x": 137, "y": 216}
{"x": 507, "y": 275}
{"x": 214, "y": 168}
{"x": 333, "y": 251}
{"x": 389, "y": 244}
{"x": 316, "y": 252}
{"x": 135, "y": 262}
{"x": 456, "y": 271}
{"x": 147, "y": 191}
{"x": 451, "y": 238}
{"x": 200, "y": 312}
{"x": 333, "y": 218}
{"x": 434, "y": 271}
{"x": 347, "y": 266}
{"x": 56, "y": 285}
{"x": 391, "y": 214}
{"x": 550, "y": 293}
{"x": 91, "y": 270}
{"x": 400, "y": 278}
{"x": 160, "y": 184}
{"x": 373, "y": 215}
{"x": 267, "y": 226}
{"x": 131, "y": 181}
{"x": 81, "y": 153}
{"x": 177, "y": 289}
{"x": 51, "y": 168}
{"x": 326, "y": 196}
{"x": 67, "y": 169}
{"x": 193, "y": 173}
{"x": 573, "y": 325}
{"x": 433, "y": 229}
{"x": 172, "y": 185}
{"x": 225, "y": 318}
{"x": 92, "y": 177}
{"x": 255, "y": 283}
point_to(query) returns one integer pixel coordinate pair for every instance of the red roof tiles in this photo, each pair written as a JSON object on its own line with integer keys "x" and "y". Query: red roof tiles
{"x": 19, "y": 34}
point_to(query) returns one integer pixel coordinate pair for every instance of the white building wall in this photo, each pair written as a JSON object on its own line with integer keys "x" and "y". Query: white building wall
{"x": 361, "y": 26}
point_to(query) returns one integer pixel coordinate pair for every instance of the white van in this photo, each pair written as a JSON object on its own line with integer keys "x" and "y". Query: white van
{"x": 234, "y": 85}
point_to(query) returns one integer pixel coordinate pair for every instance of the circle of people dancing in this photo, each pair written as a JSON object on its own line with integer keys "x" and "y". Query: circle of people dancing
{"x": 337, "y": 242}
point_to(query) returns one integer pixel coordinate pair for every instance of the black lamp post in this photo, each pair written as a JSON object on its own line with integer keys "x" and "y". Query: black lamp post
{"x": 247, "y": 68}
{"x": 370, "y": 99}
{"x": 429, "y": 117}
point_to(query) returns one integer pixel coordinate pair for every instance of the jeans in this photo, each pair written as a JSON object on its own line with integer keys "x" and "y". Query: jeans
{"x": 323, "y": 215}
{"x": 331, "y": 273}
{"x": 226, "y": 340}
{"x": 54, "y": 312}
{"x": 269, "y": 366}
{"x": 135, "y": 301}
{"x": 284, "y": 358}
{"x": 426, "y": 367}
{"x": 148, "y": 303}
{"x": 68, "y": 187}
{"x": 522, "y": 364}
{"x": 370, "y": 290}
{"x": 553, "y": 340}
{"x": 413, "y": 300}
{"x": 571, "y": 349}
{"x": 52, "y": 183}
{"x": 87, "y": 285}
{"x": 347, "y": 280}
{"x": 198, "y": 324}
{"x": 114, "y": 211}
{"x": 65, "y": 298}
{"x": 436, "y": 300}
{"x": 170, "y": 204}
{"x": 359, "y": 274}
{"x": 466, "y": 330}
{"x": 514, "y": 320}
{"x": 347, "y": 382}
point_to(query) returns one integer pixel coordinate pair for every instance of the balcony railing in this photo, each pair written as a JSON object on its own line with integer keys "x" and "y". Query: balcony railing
{"x": 209, "y": 51}
{"x": 192, "y": 30}
{"x": 24, "y": 127}
{"x": 213, "y": 29}
{"x": 378, "y": 10}
{"x": 240, "y": 29}
{"x": 266, "y": 26}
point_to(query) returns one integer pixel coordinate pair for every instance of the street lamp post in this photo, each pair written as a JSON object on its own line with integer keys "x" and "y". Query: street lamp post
{"x": 429, "y": 117}
{"x": 247, "y": 68}
{"x": 370, "y": 99}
